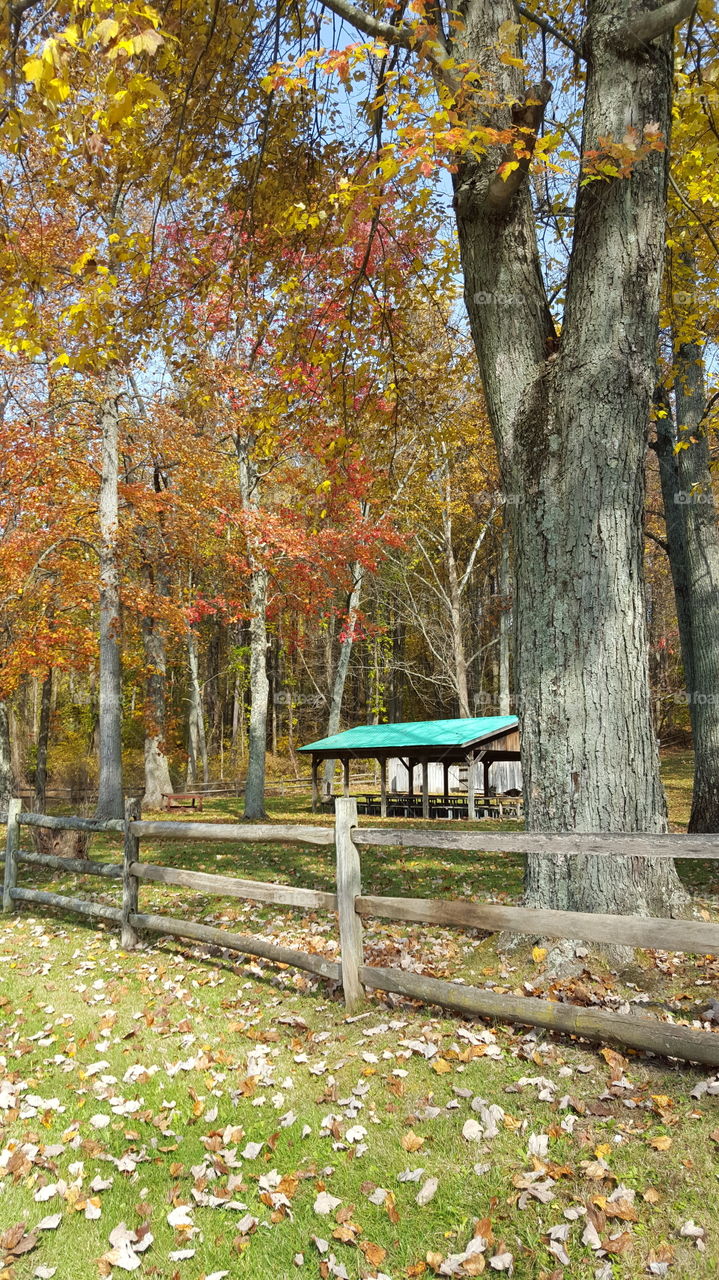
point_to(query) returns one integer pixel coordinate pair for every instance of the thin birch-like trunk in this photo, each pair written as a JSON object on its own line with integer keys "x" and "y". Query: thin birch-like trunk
{"x": 110, "y": 802}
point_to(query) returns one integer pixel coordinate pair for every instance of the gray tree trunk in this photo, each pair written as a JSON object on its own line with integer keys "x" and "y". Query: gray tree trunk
{"x": 339, "y": 678}
{"x": 43, "y": 742}
{"x": 157, "y": 765}
{"x": 456, "y": 612}
{"x": 505, "y": 626}
{"x": 693, "y": 545}
{"x": 259, "y": 694}
{"x": 569, "y": 414}
{"x": 196, "y": 739}
{"x": 259, "y": 682}
{"x": 6, "y": 770}
{"x": 110, "y": 802}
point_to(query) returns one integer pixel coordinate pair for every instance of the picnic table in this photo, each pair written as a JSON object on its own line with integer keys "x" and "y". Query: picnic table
{"x": 182, "y": 800}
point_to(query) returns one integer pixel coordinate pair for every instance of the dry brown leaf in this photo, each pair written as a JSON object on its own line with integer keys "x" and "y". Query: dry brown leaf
{"x": 375, "y": 1254}
{"x": 662, "y": 1143}
{"x": 411, "y": 1141}
{"x": 619, "y": 1245}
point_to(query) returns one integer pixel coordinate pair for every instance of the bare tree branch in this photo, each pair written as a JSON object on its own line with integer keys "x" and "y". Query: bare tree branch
{"x": 654, "y": 23}
{"x": 433, "y": 47}
{"x": 545, "y": 25}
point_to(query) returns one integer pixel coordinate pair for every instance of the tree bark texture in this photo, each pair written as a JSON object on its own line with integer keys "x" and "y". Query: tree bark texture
{"x": 259, "y": 582}
{"x": 569, "y": 414}
{"x": 6, "y": 770}
{"x": 196, "y": 740}
{"x": 43, "y": 742}
{"x": 110, "y": 803}
{"x": 693, "y": 544}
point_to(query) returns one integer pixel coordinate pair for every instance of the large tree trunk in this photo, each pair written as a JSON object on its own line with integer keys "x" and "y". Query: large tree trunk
{"x": 339, "y": 678}
{"x": 110, "y": 802}
{"x": 43, "y": 742}
{"x": 693, "y": 544}
{"x": 569, "y": 414}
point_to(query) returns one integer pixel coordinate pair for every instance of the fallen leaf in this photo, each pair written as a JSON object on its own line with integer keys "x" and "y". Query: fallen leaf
{"x": 411, "y": 1141}
{"x": 427, "y": 1192}
{"x": 374, "y": 1253}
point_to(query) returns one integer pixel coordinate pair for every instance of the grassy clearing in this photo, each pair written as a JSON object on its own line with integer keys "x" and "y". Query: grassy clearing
{"x": 202, "y": 1054}
{"x": 265, "y": 1056}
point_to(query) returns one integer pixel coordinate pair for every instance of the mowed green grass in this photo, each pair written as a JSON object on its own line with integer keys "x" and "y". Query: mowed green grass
{"x": 237, "y": 1051}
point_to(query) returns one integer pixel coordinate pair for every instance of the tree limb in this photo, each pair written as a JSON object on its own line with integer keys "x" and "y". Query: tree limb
{"x": 654, "y": 23}
{"x": 368, "y": 25}
{"x": 548, "y": 27}
{"x": 433, "y": 48}
{"x": 653, "y": 537}
{"x": 527, "y": 117}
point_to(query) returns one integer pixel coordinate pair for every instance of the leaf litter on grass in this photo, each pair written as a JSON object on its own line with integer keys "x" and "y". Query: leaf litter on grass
{"x": 181, "y": 1115}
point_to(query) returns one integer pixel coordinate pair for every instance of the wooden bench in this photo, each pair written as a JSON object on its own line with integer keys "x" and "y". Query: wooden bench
{"x": 182, "y": 800}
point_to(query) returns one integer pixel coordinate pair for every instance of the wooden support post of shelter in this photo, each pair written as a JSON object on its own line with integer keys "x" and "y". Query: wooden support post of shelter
{"x": 445, "y": 772}
{"x": 471, "y": 812}
{"x": 383, "y": 787}
{"x": 12, "y": 845}
{"x": 315, "y": 783}
{"x": 349, "y": 888}
{"x": 346, "y": 776}
{"x": 410, "y": 776}
{"x": 425, "y": 788}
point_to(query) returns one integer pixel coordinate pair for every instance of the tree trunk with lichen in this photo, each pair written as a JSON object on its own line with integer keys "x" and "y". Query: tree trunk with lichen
{"x": 569, "y": 414}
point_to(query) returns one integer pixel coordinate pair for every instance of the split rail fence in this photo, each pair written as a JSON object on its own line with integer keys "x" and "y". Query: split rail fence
{"x": 637, "y": 1031}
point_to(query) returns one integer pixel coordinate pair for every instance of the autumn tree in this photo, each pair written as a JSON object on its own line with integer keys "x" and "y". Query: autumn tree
{"x": 568, "y": 404}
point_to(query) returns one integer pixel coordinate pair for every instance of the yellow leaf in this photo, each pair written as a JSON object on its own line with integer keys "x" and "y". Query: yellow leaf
{"x": 539, "y": 954}
{"x": 34, "y": 70}
{"x": 148, "y": 41}
{"x": 106, "y": 30}
{"x": 441, "y": 1066}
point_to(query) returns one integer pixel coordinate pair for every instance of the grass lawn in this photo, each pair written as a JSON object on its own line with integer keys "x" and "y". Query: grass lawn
{"x": 238, "y": 1125}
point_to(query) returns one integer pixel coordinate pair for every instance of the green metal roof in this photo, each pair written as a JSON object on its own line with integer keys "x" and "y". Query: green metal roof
{"x": 415, "y": 733}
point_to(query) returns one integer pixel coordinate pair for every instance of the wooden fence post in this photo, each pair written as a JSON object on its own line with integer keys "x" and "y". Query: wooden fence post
{"x": 130, "y": 883}
{"x": 12, "y": 845}
{"x": 349, "y": 888}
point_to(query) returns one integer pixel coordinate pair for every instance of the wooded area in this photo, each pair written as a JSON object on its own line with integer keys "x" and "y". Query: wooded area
{"x": 266, "y": 475}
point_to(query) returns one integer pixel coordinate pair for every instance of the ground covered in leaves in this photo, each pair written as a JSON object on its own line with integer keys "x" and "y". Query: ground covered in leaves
{"x": 182, "y": 1113}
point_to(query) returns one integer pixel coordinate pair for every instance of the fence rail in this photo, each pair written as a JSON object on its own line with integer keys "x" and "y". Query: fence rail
{"x": 637, "y": 1031}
